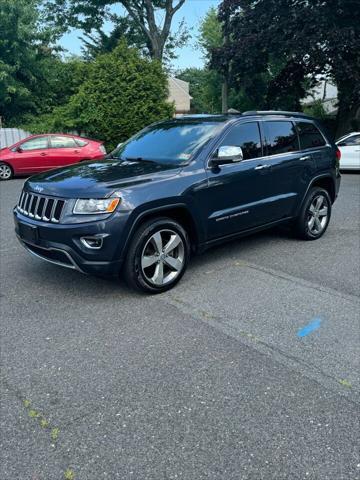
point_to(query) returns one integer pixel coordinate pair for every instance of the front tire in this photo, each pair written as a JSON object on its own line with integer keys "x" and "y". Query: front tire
{"x": 158, "y": 256}
{"x": 315, "y": 215}
{"x": 6, "y": 172}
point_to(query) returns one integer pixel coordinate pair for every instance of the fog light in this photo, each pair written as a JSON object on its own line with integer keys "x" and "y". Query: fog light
{"x": 95, "y": 243}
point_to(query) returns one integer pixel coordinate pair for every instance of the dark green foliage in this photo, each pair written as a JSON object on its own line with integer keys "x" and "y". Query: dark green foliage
{"x": 205, "y": 89}
{"x": 33, "y": 78}
{"x": 121, "y": 93}
{"x": 291, "y": 44}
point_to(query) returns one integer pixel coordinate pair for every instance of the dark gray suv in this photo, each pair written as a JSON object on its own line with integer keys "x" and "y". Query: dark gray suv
{"x": 179, "y": 187}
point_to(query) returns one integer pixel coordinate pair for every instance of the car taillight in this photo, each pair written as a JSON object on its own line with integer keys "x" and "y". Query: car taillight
{"x": 338, "y": 154}
{"x": 102, "y": 149}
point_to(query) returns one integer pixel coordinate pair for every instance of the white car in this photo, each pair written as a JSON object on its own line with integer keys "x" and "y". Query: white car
{"x": 349, "y": 145}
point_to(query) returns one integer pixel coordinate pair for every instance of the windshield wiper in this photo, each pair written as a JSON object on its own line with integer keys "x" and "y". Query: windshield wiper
{"x": 139, "y": 159}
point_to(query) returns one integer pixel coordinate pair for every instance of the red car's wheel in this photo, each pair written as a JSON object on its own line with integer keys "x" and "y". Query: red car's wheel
{"x": 5, "y": 171}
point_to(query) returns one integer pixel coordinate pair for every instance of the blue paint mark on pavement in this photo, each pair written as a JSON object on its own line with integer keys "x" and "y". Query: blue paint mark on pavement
{"x": 314, "y": 325}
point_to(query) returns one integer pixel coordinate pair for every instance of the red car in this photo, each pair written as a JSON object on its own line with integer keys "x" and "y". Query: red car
{"x": 43, "y": 152}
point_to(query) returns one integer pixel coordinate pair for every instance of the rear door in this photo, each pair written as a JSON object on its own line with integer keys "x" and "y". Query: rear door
{"x": 63, "y": 151}
{"x": 32, "y": 155}
{"x": 290, "y": 168}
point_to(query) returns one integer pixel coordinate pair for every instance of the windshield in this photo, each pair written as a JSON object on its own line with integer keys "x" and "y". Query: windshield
{"x": 169, "y": 142}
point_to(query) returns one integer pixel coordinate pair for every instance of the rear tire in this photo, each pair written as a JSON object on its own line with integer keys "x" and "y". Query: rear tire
{"x": 314, "y": 216}
{"x": 6, "y": 172}
{"x": 158, "y": 256}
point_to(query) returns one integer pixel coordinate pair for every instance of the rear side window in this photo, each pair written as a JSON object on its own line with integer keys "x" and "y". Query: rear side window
{"x": 281, "y": 137}
{"x": 350, "y": 141}
{"x": 80, "y": 142}
{"x": 246, "y": 136}
{"x": 309, "y": 135}
{"x": 35, "y": 144}
{"x": 62, "y": 142}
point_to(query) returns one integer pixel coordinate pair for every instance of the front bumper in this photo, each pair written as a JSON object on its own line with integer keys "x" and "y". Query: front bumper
{"x": 61, "y": 244}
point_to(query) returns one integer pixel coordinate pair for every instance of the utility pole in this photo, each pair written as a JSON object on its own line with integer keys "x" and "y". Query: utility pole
{"x": 225, "y": 85}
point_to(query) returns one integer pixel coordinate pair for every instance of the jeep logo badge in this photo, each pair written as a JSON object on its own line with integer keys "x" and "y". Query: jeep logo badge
{"x": 37, "y": 188}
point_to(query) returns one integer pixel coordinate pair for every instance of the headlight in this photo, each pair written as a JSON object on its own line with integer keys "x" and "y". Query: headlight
{"x": 95, "y": 206}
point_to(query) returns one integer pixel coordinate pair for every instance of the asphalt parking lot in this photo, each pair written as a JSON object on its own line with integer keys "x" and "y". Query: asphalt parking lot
{"x": 216, "y": 379}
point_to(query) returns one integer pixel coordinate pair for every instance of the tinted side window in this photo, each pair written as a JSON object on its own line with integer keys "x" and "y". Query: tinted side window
{"x": 348, "y": 142}
{"x": 281, "y": 137}
{"x": 35, "y": 144}
{"x": 80, "y": 142}
{"x": 62, "y": 142}
{"x": 309, "y": 135}
{"x": 246, "y": 136}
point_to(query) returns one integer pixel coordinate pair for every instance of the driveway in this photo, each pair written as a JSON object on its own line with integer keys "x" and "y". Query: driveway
{"x": 248, "y": 369}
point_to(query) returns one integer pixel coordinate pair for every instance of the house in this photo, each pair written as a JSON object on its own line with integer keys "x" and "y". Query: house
{"x": 327, "y": 93}
{"x": 179, "y": 94}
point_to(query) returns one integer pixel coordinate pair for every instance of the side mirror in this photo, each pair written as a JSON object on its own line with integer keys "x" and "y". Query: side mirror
{"x": 19, "y": 150}
{"x": 227, "y": 154}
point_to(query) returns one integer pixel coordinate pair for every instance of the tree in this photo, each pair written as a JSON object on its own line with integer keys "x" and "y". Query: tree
{"x": 275, "y": 40}
{"x": 210, "y": 33}
{"x": 205, "y": 89}
{"x": 122, "y": 93}
{"x": 90, "y": 14}
{"x": 206, "y": 83}
{"x": 26, "y": 51}
{"x": 126, "y": 28}
{"x": 33, "y": 77}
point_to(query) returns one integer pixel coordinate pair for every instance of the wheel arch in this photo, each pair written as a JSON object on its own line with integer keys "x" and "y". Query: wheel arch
{"x": 177, "y": 212}
{"x": 327, "y": 183}
{"x": 9, "y": 165}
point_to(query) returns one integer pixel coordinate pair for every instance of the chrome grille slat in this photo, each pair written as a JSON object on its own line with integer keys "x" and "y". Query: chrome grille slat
{"x": 21, "y": 200}
{"x": 36, "y": 206}
{"x": 31, "y": 204}
{"x": 26, "y": 204}
{"x": 44, "y": 210}
{"x": 52, "y": 219}
{"x": 40, "y": 207}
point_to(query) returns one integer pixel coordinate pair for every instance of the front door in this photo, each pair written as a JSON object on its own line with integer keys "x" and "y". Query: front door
{"x": 31, "y": 155}
{"x": 236, "y": 192}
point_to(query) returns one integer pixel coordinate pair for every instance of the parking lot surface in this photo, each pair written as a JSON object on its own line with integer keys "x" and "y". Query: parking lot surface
{"x": 248, "y": 369}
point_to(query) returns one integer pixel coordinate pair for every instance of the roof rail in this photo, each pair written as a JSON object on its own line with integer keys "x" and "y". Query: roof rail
{"x": 275, "y": 112}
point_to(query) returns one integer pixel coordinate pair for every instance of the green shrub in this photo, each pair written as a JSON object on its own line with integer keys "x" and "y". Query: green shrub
{"x": 122, "y": 93}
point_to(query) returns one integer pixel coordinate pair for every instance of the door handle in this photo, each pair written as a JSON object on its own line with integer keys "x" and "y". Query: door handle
{"x": 43, "y": 154}
{"x": 76, "y": 151}
{"x": 306, "y": 157}
{"x": 261, "y": 167}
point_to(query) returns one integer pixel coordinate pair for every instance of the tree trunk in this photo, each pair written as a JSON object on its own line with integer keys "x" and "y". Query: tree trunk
{"x": 224, "y": 96}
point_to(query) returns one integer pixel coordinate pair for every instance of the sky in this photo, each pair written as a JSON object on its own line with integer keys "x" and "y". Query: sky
{"x": 189, "y": 56}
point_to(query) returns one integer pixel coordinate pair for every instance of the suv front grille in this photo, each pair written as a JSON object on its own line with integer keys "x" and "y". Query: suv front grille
{"x": 40, "y": 207}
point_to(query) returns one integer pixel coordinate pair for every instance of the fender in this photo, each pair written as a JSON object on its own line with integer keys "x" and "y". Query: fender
{"x": 313, "y": 180}
{"x": 154, "y": 210}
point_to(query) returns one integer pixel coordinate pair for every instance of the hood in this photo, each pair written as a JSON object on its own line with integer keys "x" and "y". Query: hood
{"x": 98, "y": 179}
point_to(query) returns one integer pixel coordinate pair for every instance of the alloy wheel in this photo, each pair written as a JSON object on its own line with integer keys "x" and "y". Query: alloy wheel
{"x": 318, "y": 215}
{"x": 163, "y": 257}
{"x": 5, "y": 172}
